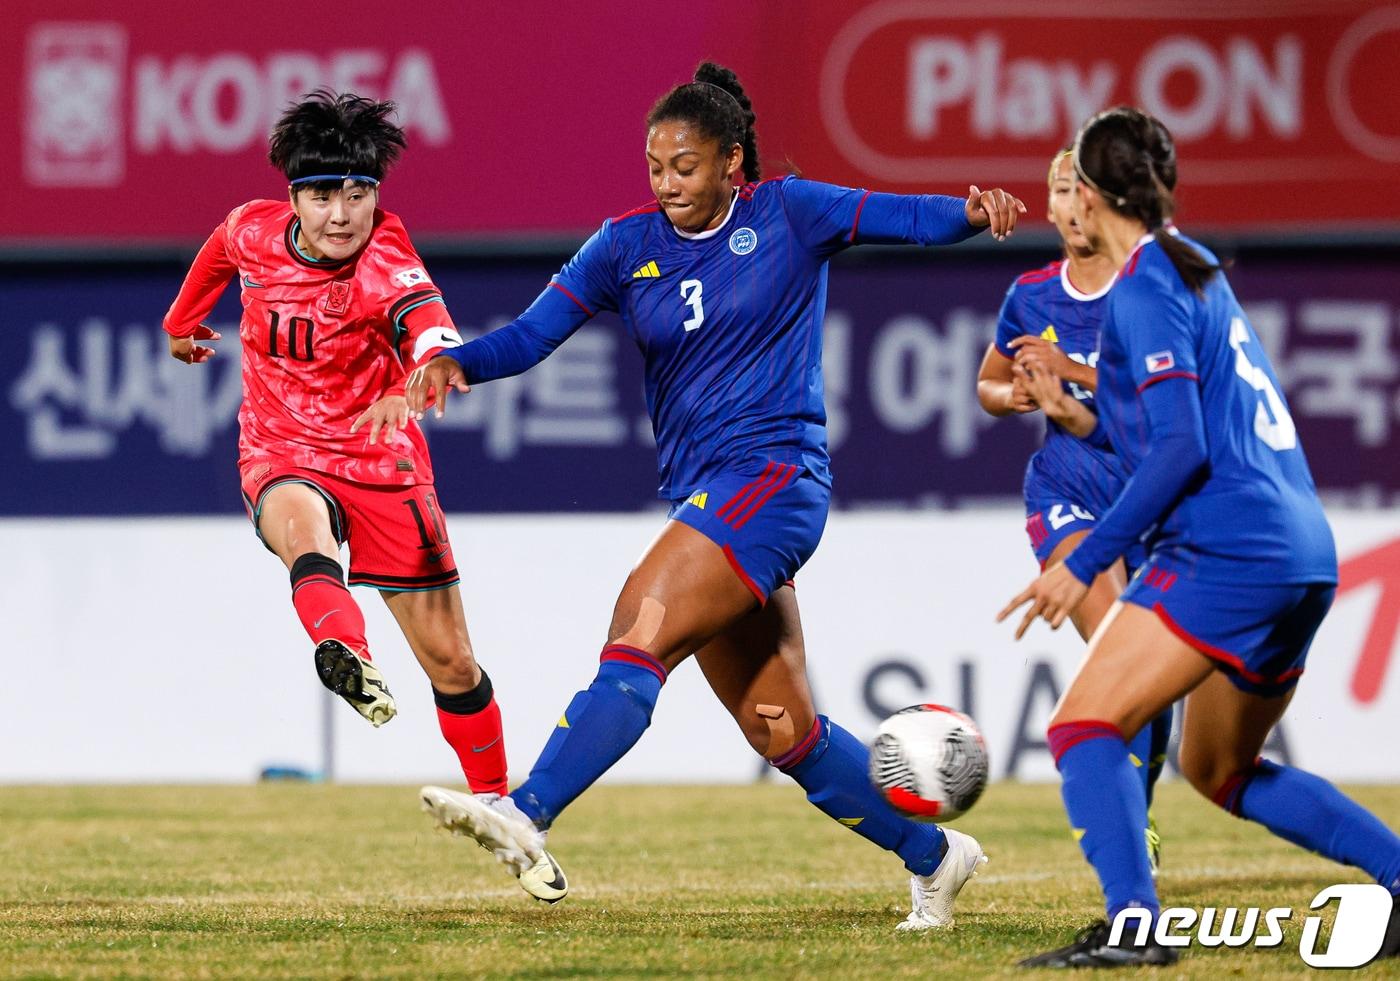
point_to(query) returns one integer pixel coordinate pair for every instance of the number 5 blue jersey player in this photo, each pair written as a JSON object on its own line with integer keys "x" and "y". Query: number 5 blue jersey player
{"x": 723, "y": 288}
{"x": 1050, "y": 319}
{"x": 1241, "y": 572}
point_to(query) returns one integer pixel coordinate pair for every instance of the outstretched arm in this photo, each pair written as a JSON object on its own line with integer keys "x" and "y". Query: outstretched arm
{"x": 509, "y": 350}
{"x": 1178, "y": 455}
{"x": 525, "y": 341}
{"x": 584, "y": 287}
{"x": 831, "y": 218}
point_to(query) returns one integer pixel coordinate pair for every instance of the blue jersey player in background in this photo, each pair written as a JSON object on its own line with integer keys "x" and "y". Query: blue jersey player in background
{"x": 1242, "y": 566}
{"x": 1050, "y": 320}
{"x": 721, "y": 281}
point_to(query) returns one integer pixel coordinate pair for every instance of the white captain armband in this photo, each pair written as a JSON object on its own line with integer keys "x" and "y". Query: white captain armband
{"x": 434, "y": 338}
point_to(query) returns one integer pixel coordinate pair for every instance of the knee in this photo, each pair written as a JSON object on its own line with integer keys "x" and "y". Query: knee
{"x": 1212, "y": 772}
{"x": 451, "y": 666}
{"x": 757, "y": 734}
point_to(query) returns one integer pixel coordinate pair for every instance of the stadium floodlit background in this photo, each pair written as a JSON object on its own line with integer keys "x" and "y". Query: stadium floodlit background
{"x": 148, "y": 636}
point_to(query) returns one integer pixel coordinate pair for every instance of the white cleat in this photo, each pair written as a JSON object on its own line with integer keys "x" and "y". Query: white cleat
{"x": 545, "y": 880}
{"x": 496, "y": 824}
{"x": 933, "y": 895}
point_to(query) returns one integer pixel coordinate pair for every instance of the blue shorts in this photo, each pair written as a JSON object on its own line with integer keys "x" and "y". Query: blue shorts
{"x": 1049, "y": 522}
{"x": 1257, "y": 635}
{"x": 768, "y": 519}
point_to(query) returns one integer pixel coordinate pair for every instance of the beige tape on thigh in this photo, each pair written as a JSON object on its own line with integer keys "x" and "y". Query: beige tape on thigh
{"x": 650, "y": 614}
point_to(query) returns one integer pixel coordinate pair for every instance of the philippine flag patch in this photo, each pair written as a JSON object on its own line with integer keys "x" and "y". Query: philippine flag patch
{"x": 1161, "y": 361}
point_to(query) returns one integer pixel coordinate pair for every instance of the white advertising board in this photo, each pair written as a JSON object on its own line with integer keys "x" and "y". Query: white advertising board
{"x": 167, "y": 649}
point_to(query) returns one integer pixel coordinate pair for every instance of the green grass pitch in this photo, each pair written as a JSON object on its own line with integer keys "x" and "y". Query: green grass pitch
{"x": 298, "y": 881}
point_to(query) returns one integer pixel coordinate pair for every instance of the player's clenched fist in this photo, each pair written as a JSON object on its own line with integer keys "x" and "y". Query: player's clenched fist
{"x": 430, "y": 383}
{"x": 185, "y": 349}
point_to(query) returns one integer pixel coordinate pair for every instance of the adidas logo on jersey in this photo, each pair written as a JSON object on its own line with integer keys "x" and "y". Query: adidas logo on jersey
{"x": 1049, "y": 334}
{"x": 649, "y": 271}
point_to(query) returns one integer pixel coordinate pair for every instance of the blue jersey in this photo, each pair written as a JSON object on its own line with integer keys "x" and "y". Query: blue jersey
{"x": 729, "y": 321}
{"x": 1045, "y": 303}
{"x": 1194, "y": 409}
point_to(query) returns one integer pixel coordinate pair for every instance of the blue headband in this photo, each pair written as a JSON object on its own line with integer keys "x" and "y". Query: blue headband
{"x": 358, "y": 178}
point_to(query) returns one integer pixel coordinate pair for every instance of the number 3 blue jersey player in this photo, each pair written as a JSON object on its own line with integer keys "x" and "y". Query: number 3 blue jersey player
{"x": 723, "y": 288}
{"x": 1242, "y": 566}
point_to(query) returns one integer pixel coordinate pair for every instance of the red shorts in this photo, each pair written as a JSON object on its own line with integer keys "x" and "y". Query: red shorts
{"x": 397, "y": 535}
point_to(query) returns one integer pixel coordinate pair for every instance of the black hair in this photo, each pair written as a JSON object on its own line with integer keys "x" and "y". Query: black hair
{"x": 715, "y": 102}
{"x": 330, "y": 133}
{"x": 1129, "y": 157}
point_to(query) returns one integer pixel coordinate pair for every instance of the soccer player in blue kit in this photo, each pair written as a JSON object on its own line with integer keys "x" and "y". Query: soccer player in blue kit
{"x": 1050, "y": 318}
{"x": 1242, "y": 566}
{"x": 722, "y": 283}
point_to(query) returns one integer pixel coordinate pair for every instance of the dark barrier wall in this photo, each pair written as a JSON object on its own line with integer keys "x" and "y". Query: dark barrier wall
{"x": 100, "y": 420}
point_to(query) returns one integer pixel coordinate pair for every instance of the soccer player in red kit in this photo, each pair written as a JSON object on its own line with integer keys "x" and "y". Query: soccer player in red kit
{"x": 336, "y": 307}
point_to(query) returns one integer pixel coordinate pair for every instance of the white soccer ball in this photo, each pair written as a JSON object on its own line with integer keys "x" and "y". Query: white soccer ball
{"x": 929, "y": 762}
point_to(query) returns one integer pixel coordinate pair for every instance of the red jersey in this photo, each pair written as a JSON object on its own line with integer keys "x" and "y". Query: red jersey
{"x": 322, "y": 341}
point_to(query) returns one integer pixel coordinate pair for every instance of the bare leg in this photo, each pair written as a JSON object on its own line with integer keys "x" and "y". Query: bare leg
{"x": 1222, "y": 734}
{"x": 1135, "y": 668}
{"x": 1148, "y": 746}
{"x": 435, "y": 627}
{"x": 1103, "y": 591}
{"x": 295, "y": 524}
{"x": 758, "y": 669}
{"x": 681, "y": 593}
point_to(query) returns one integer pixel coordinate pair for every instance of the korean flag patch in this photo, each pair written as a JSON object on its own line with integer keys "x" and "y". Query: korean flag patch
{"x": 410, "y": 278}
{"x": 1161, "y": 361}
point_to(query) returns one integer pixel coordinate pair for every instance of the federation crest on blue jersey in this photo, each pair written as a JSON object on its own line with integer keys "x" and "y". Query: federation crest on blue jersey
{"x": 743, "y": 241}
{"x": 1160, "y": 361}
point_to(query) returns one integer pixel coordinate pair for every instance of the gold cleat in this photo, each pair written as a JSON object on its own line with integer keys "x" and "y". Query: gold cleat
{"x": 356, "y": 680}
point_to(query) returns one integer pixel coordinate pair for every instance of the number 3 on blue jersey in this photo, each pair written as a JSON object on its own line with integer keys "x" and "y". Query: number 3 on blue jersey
{"x": 1272, "y": 423}
{"x": 691, "y": 290}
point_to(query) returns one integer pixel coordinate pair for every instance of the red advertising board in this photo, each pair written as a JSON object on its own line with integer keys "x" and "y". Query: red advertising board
{"x": 147, "y": 121}
{"x": 1277, "y": 107}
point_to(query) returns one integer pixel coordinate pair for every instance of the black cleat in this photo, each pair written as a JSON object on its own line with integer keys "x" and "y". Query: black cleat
{"x": 356, "y": 680}
{"x": 1390, "y": 946}
{"x": 1091, "y": 949}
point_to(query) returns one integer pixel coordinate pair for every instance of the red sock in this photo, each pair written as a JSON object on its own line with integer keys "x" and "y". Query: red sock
{"x": 324, "y": 604}
{"x": 471, "y": 724}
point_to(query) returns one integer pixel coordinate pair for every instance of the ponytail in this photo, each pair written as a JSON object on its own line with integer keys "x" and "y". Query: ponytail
{"x": 1193, "y": 268}
{"x": 717, "y": 104}
{"x": 1130, "y": 159}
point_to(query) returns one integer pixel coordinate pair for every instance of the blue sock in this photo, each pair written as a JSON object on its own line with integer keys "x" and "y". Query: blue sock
{"x": 1140, "y": 756}
{"x": 1107, "y": 810}
{"x": 597, "y": 729}
{"x": 834, "y": 768}
{"x": 1307, "y": 810}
